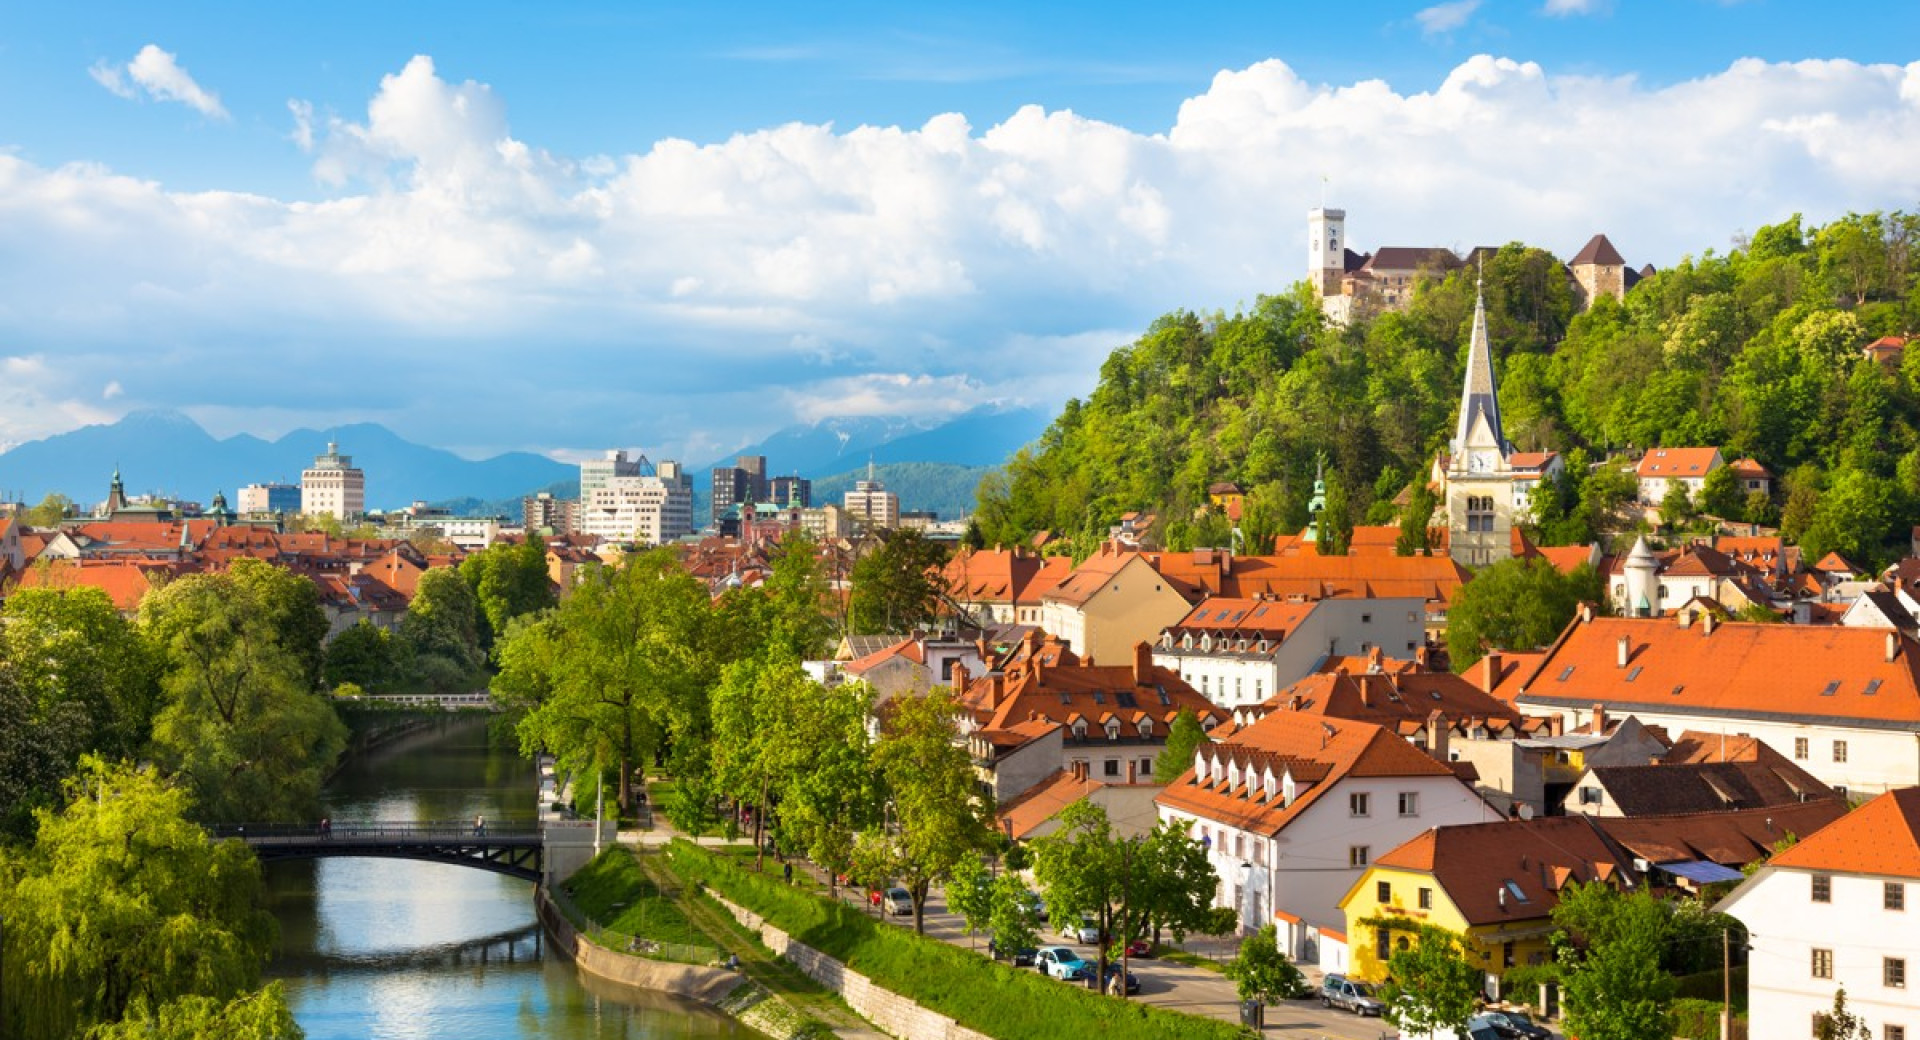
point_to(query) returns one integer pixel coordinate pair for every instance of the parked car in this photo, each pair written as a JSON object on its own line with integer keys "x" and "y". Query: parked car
{"x": 1038, "y": 904}
{"x": 1139, "y": 948}
{"x": 1021, "y": 957}
{"x": 1061, "y": 963}
{"x": 1112, "y": 983}
{"x": 899, "y": 902}
{"x": 1516, "y": 1024}
{"x": 1342, "y": 992}
{"x": 1087, "y": 930}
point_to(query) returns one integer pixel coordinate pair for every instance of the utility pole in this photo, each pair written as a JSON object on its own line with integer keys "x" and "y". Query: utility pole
{"x": 1726, "y": 977}
{"x": 599, "y": 800}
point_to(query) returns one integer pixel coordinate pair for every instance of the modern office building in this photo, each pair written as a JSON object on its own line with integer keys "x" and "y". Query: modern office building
{"x": 871, "y": 506}
{"x": 332, "y": 487}
{"x": 269, "y": 498}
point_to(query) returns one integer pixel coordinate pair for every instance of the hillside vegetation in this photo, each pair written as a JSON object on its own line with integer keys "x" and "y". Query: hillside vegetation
{"x": 1758, "y": 352}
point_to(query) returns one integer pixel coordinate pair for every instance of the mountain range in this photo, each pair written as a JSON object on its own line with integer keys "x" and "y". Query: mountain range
{"x": 167, "y": 453}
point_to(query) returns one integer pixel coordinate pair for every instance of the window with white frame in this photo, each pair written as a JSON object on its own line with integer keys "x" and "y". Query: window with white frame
{"x": 1359, "y": 803}
{"x": 1357, "y": 855}
{"x": 1409, "y": 803}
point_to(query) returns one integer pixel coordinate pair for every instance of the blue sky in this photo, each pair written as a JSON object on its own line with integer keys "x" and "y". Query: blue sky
{"x": 565, "y": 226}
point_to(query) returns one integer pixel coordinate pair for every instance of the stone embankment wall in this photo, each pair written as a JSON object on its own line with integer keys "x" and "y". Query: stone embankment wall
{"x": 716, "y": 987}
{"x": 897, "y": 1015}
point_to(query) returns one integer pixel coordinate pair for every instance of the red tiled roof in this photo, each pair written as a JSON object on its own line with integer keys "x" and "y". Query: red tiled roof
{"x": 1750, "y": 469}
{"x": 1881, "y": 838}
{"x": 1530, "y": 861}
{"x": 1676, "y": 462}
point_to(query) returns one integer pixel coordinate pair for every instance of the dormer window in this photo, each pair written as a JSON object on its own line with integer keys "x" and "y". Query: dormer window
{"x": 1079, "y": 729}
{"x": 1113, "y": 729}
{"x": 1146, "y": 729}
{"x": 1186, "y": 641}
{"x": 1206, "y": 644}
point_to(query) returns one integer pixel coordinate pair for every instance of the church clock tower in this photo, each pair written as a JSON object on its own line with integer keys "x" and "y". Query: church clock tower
{"x": 1479, "y": 480}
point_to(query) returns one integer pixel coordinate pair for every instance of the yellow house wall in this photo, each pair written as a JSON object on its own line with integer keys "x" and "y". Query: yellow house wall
{"x": 1484, "y": 944}
{"x": 1130, "y": 610}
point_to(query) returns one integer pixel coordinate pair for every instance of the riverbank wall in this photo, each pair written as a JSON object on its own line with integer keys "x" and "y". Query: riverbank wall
{"x": 723, "y": 990}
{"x": 899, "y": 1016}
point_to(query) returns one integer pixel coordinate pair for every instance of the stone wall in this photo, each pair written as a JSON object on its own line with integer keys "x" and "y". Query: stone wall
{"x": 706, "y": 985}
{"x": 897, "y": 1015}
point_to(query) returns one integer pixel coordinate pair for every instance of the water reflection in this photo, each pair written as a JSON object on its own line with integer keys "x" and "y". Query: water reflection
{"x": 398, "y": 949}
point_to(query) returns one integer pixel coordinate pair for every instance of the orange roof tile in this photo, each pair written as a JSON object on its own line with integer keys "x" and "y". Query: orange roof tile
{"x": 1676, "y": 462}
{"x": 1527, "y": 860}
{"x": 1881, "y": 838}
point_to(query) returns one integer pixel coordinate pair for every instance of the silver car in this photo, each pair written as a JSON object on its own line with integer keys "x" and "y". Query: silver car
{"x": 1357, "y": 997}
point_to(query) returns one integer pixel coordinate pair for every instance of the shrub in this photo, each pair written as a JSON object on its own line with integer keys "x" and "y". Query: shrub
{"x": 1697, "y": 1019}
{"x": 994, "y": 998}
{"x": 1522, "y": 984}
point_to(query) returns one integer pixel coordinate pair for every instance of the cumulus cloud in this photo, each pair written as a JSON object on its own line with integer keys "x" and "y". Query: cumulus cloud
{"x": 1564, "y": 8}
{"x": 39, "y": 399}
{"x": 158, "y": 75}
{"x": 1445, "y": 18}
{"x": 694, "y": 294}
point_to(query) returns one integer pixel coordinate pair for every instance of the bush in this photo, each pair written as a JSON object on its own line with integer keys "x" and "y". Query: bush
{"x": 994, "y": 998}
{"x": 1521, "y": 984}
{"x": 1700, "y": 1020}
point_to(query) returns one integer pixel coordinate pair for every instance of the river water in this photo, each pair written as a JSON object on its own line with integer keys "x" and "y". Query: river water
{"x": 396, "y": 950}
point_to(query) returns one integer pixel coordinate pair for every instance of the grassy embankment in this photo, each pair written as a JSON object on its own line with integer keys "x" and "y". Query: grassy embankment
{"x": 992, "y": 997}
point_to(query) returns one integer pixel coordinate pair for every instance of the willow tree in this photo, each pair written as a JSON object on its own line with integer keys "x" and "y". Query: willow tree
{"x": 122, "y": 908}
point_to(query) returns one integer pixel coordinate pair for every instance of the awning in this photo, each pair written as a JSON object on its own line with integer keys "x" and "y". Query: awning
{"x": 1700, "y": 871}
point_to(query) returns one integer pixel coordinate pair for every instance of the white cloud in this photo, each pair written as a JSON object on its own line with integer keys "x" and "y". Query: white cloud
{"x": 39, "y": 399}
{"x": 702, "y": 292}
{"x": 112, "y": 390}
{"x": 158, "y": 74}
{"x": 1445, "y": 18}
{"x": 1565, "y": 8}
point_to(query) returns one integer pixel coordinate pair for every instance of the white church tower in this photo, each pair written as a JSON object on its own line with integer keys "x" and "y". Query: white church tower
{"x": 1479, "y": 478}
{"x": 1327, "y": 259}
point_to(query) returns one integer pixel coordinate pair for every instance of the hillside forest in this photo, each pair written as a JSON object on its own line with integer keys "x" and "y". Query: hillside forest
{"x": 1758, "y": 351}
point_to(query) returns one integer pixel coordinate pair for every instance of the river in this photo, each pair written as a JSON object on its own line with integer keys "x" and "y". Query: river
{"x": 374, "y": 948}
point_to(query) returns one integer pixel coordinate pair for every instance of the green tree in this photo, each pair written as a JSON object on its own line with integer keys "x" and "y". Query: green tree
{"x": 1856, "y": 518}
{"x": 1128, "y": 885}
{"x": 625, "y": 676}
{"x": 51, "y": 510}
{"x": 290, "y": 606}
{"x": 1335, "y": 520}
{"x": 1432, "y": 984}
{"x": 508, "y": 580}
{"x": 362, "y": 655}
{"x": 1840, "y": 1023}
{"x": 38, "y": 746}
{"x": 121, "y": 903}
{"x": 1676, "y": 506}
{"x": 834, "y": 793}
{"x": 1516, "y": 604}
{"x": 928, "y": 778}
{"x": 1609, "y": 949}
{"x": 442, "y": 632}
{"x": 759, "y": 739}
{"x": 970, "y": 891}
{"x": 1261, "y": 972}
{"x": 70, "y": 648}
{"x": 1184, "y": 737}
{"x": 1012, "y": 918}
{"x": 262, "y": 1014}
{"x": 1415, "y": 521}
{"x": 1720, "y": 494}
{"x": 897, "y": 585}
{"x": 241, "y": 726}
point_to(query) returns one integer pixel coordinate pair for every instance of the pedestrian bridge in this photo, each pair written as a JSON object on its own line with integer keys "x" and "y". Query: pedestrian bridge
{"x": 479, "y": 701}
{"x": 523, "y": 850}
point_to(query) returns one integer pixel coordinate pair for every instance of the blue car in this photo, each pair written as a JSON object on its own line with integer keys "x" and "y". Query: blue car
{"x": 1061, "y": 962}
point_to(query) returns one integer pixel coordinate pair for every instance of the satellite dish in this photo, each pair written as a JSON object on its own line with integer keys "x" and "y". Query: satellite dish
{"x": 1526, "y": 811}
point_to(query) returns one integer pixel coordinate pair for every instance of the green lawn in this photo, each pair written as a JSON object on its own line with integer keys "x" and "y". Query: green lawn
{"x": 615, "y": 893}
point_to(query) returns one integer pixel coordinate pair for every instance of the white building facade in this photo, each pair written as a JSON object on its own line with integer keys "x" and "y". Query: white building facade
{"x": 644, "y": 510}
{"x": 333, "y": 487}
{"x": 1239, "y": 652}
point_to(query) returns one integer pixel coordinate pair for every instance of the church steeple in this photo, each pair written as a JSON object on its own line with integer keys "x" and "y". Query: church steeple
{"x": 1480, "y": 397}
{"x": 116, "y": 494}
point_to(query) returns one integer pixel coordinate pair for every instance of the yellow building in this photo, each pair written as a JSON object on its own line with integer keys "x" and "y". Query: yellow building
{"x": 1494, "y": 883}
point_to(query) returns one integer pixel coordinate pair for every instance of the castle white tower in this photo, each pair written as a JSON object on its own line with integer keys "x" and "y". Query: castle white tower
{"x": 1326, "y": 249}
{"x": 1642, "y": 591}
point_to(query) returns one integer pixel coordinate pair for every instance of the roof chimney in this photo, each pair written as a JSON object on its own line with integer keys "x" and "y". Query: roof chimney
{"x": 1599, "y": 719}
{"x": 1893, "y": 646}
{"x": 959, "y": 678}
{"x": 1706, "y": 622}
{"x": 1143, "y": 663}
{"x": 1490, "y": 670}
{"x": 1626, "y": 652}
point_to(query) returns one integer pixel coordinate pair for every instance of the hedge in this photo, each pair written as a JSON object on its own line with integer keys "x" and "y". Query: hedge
{"x": 994, "y": 998}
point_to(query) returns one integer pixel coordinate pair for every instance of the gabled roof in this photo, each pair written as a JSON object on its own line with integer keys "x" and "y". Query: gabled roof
{"x": 1598, "y": 251}
{"x": 1858, "y": 676}
{"x": 1317, "y": 752}
{"x": 1096, "y": 573}
{"x": 1411, "y": 258}
{"x": 1388, "y": 699}
{"x": 1700, "y": 787}
{"x": 1133, "y": 694}
{"x": 1750, "y": 469}
{"x": 1253, "y": 618}
{"x": 1834, "y": 563}
{"x": 1529, "y": 861}
{"x": 1731, "y": 839}
{"x": 1881, "y": 838}
{"x": 1676, "y": 462}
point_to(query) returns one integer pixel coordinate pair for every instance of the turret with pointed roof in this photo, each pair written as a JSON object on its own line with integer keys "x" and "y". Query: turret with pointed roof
{"x": 1479, "y": 397}
{"x": 1479, "y": 476}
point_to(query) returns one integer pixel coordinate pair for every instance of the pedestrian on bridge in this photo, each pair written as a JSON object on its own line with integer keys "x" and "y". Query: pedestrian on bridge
{"x": 326, "y": 827}
{"x": 479, "y": 826}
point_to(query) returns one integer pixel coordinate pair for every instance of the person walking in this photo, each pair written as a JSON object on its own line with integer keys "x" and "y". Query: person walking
{"x": 479, "y": 826}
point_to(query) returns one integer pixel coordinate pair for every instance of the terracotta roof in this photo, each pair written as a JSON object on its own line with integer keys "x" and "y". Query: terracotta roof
{"x": 1698, "y": 787}
{"x": 1531, "y": 861}
{"x": 1834, "y": 563}
{"x": 1411, "y": 258}
{"x": 1090, "y": 577}
{"x": 1256, "y": 618}
{"x": 1566, "y": 558}
{"x": 1750, "y": 469}
{"x": 1733, "y": 669}
{"x": 1881, "y": 837}
{"x": 1317, "y": 752}
{"x": 1731, "y": 839}
{"x": 1386, "y": 699}
{"x": 1002, "y": 575}
{"x": 1598, "y": 251}
{"x": 1026, "y": 811}
{"x": 1676, "y": 462}
{"x": 124, "y": 581}
{"x": 1031, "y": 690}
{"x": 1312, "y": 576}
{"x": 1530, "y": 460}
{"x": 908, "y": 649}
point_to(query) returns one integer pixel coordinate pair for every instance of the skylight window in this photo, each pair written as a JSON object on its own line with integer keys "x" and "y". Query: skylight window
{"x": 1099, "y": 698}
{"x": 1832, "y": 688}
{"x": 1635, "y": 674}
{"x": 1567, "y": 673}
{"x": 1065, "y": 697}
{"x": 1125, "y": 700}
{"x": 1677, "y": 689}
{"x": 1513, "y": 889}
{"x": 1873, "y": 687}
{"x": 1164, "y": 699}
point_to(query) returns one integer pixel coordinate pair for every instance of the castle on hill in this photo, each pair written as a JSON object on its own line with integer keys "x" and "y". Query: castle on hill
{"x": 1350, "y": 284}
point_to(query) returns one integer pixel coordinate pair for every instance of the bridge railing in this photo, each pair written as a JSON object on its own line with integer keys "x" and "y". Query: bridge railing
{"x": 374, "y": 830}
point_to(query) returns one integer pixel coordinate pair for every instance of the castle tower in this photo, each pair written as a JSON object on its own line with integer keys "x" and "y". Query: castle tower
{"x": 1642, "y": 593}
{"x": 1598, "y": 270}
{"x": 1326, "y": 249}
{"x": 1479, "y": 479}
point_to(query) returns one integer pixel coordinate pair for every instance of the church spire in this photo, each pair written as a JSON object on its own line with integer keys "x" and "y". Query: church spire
{"x": 1480, "y": 395}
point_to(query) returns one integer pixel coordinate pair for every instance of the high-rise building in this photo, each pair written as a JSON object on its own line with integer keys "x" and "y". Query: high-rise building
{"x": 332, "y": 487}
{"x": 871, "y": 506}
{"x": 790, "y": 492}
{"x": 596, "y": 473}
{"x": 755, "y": 467}
{"x": 543, "y": 512}
{"x": 642, "y": 509}
{"x": 269, "y": 498}
{"x": 731, "y": 486}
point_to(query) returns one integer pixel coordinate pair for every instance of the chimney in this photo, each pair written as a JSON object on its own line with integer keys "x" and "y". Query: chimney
{"x": 1599, "y": 719}
{"x": 1893, "y": 646}
{"x": 1706, "y": 622}
{"x": 1439, "y": 737}
{"x": 1490, "y": 670}
{"x": 1626, "y": 652}
{"x": 959, "y": 678}
{"x": 1375, "y": 661}
{"x": 1586, "y": 613}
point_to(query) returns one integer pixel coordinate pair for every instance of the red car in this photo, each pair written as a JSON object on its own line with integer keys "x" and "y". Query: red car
{"x": 1139, "y": 948}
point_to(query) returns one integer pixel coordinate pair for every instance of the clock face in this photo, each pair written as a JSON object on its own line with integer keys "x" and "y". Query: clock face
{"x": 1477, "y": 463}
